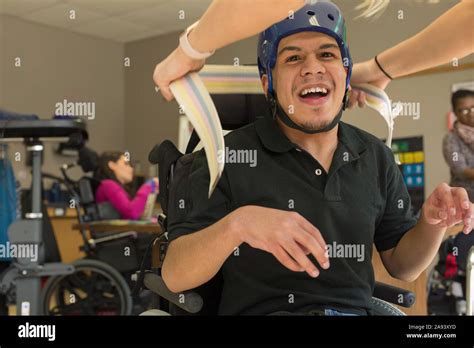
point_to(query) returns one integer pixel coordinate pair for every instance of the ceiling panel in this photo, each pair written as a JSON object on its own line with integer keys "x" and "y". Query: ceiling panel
{"x": 116, "y": 7}
{"x": 110, "y": 28}
{"x": 119, "y": 20}
{"x": 21, "y": 7}
{"x": 60, "y": 15}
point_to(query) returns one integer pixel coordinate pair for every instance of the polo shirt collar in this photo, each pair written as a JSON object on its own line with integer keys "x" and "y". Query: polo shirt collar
{"x": 351, "y": 139}
{"x": 273, "y": 138}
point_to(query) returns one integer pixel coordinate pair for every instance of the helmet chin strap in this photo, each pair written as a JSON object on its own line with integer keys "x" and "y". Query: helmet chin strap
{"x": 278, "y": 111}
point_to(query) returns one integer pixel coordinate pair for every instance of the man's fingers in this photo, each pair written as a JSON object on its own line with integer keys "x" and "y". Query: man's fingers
{"x": 322, "y": 258}
{"x": 310, "y": 228}
{"x": 444, "y": 194}
{"x": 464, "y": 209}
{"x": 469, "y": 219}
{"x": 298, "y": 255}
{"x": 461, "y": 199}
{"x": 450, "y": 206}
{"x": 314, "y": 247}
{"x": 435, "y": 215}
{"x": 283, "y": 257}
{"x": 305, "y": 250}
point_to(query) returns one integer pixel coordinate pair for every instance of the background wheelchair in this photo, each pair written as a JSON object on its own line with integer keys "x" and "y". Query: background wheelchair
{"x": 447, "y": 283}
{"x": 100, "y": 283}
{"x": 105, "y": 259}
{"x": 174, "y": 169}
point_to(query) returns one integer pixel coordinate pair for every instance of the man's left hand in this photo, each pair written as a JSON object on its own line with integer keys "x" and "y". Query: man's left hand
{"x": 448, "y": 206}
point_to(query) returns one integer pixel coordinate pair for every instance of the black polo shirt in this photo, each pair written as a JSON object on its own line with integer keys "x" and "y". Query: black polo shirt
{"x": 361, "y": 201}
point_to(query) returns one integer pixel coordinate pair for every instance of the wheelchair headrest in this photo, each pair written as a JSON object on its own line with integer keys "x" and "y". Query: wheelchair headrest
{"x": 238, "y": 110}
{"x": 94, "y": 211}
{"x": 166, "y": 154}
{"x": 235, "y": 111}
{"x": 88, "y": 159}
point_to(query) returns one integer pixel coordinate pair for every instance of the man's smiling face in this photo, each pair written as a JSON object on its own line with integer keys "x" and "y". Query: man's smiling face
{"x": 309, "y": 78}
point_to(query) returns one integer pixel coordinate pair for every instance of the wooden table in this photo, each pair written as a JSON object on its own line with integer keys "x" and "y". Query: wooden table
{"x": 68, "y": 240}
{"x": 107, "y": 226}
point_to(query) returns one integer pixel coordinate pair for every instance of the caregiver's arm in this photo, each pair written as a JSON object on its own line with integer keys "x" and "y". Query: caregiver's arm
{"x": 224, "y": 22}
{"x": 450, "y": 36}
{"x": 230, "y": 21}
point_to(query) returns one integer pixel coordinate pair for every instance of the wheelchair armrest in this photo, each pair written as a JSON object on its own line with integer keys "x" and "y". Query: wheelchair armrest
{"x": 392, "y": 294}
{"x": 189, "y": 301}
{"x": 110, "y": 238}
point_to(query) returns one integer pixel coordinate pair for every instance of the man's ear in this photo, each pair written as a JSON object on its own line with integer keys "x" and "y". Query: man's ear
{"x": 264, "y": 82}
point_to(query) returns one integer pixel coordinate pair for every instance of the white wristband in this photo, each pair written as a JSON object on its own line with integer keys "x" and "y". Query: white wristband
{"x": 186, "y": 47}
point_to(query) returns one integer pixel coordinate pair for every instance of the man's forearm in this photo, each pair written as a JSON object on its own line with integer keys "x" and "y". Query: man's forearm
{"x": 194, "y": 259}
{"x": 416, "y": 251}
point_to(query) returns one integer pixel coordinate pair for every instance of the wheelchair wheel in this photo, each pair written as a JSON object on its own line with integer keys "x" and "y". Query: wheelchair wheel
{"x": 95, "y": 288}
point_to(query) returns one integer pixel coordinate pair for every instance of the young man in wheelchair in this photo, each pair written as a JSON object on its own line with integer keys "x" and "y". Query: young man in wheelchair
{"x": 294, "y": 233}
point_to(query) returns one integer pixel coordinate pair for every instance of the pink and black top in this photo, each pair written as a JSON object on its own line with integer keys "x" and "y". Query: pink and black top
{"x": 128, "y": 208}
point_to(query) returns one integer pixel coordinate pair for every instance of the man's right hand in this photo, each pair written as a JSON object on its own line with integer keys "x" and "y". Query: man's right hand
{"x": 285, "y": 234}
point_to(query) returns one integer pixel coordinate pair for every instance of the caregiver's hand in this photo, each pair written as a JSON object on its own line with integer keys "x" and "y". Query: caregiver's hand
{"x": 176, "y": 65}
{"x": 366, "y": 72}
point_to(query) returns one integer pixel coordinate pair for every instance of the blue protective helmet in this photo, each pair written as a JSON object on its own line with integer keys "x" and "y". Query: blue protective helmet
{"x": 322, "y": 16}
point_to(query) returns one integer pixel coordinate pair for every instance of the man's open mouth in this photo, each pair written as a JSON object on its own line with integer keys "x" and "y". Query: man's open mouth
{"x": 314, "y": 95}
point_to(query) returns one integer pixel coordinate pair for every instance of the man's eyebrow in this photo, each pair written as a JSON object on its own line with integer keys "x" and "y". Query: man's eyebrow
{"x": 289, "y": 48}
{"x": 296, "y": 48}
{"x": 328, "y": 45}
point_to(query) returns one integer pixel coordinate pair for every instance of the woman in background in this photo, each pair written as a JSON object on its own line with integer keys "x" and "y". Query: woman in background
{"x": 458, "y": 145}
{"x": 114, "y": 172}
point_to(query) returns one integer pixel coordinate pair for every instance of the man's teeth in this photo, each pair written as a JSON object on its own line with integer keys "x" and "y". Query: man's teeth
{"x": 314, "y": 90}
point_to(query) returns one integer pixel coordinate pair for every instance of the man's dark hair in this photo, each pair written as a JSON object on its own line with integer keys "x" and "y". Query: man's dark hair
{"x": 460, "y": 94}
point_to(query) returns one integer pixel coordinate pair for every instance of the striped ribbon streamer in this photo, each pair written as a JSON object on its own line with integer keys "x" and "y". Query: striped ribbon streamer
{"x": 196, "y": 102}
{"x": 378, "y": 100}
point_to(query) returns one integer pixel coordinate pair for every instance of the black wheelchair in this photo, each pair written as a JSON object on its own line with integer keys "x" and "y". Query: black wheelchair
{"x": 448, "y": 289}
{"x": 235, "y": 111}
